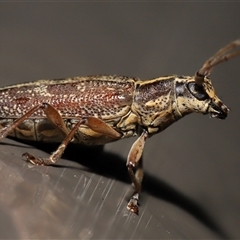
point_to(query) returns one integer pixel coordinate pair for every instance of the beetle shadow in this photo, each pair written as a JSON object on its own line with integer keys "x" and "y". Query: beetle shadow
{"x": 95, "y": 159}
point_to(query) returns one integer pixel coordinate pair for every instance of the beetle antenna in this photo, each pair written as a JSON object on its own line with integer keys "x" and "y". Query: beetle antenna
{"x": 224, "y": 54}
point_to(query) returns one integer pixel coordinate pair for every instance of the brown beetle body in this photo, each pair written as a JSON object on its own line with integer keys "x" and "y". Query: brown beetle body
{"x": 121, "y": 102}
{"x": 105, "y": 108}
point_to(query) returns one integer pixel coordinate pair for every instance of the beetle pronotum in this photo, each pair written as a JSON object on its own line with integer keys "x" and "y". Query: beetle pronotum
{"x": 105, "y": 108}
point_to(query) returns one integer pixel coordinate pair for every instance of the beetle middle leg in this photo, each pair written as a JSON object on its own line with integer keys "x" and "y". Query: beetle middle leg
{"x": 93, "y": 123}
{"x": 53, "y": 158}
{"x": 135, "y": 160}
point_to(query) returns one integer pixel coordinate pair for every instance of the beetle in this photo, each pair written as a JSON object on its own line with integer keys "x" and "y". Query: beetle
{"x": 95, "y": 110}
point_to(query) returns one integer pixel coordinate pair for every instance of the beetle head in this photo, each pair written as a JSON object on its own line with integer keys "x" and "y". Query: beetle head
{"x": 200, "y": 95}
{"x": 204, "y": 99}
{"x": 202, "y": 84}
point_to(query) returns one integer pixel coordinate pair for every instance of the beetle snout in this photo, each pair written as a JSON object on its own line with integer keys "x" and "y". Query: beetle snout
{"x": 218, "y": 110}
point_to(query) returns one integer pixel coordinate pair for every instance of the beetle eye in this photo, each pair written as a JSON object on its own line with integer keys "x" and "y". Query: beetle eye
{"x": 197, "y": 91}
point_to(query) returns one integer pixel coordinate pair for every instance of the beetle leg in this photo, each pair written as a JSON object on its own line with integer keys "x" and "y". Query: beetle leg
{"x": 51, "y": 113}
{"x": 100, "y": 126}
{"x": 6, "y": 130}
{"x": 53, "y": 158}
{"x": 55, "y": 118}
{"x": 135, "y": 160}
{"x": 94, "y": 123}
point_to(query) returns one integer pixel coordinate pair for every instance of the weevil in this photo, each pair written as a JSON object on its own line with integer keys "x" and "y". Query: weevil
{"x": 100, "y": 109}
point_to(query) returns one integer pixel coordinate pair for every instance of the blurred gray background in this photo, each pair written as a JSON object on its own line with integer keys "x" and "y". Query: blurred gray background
{"x": 191, "y": 185}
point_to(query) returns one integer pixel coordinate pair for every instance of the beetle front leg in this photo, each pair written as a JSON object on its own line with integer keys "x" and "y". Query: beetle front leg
{"x": 135, "y": 160}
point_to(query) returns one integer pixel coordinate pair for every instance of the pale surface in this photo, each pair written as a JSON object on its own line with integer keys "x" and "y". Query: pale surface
{"x": 191, "y": 187}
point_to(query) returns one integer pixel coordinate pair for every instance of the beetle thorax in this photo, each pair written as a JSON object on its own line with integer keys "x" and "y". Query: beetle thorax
{"x": 153, "y": 103}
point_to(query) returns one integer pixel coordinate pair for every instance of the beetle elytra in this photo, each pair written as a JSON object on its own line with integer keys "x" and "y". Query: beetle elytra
{"x": 100, "y": 109}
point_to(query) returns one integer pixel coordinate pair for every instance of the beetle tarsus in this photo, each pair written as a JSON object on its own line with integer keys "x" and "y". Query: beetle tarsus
{"x": 133, "y": 203}
{"x": 32, "y": 159}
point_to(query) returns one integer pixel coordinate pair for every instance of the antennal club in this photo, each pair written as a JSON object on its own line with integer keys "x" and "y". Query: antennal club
{"x": 224, "y": 54}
